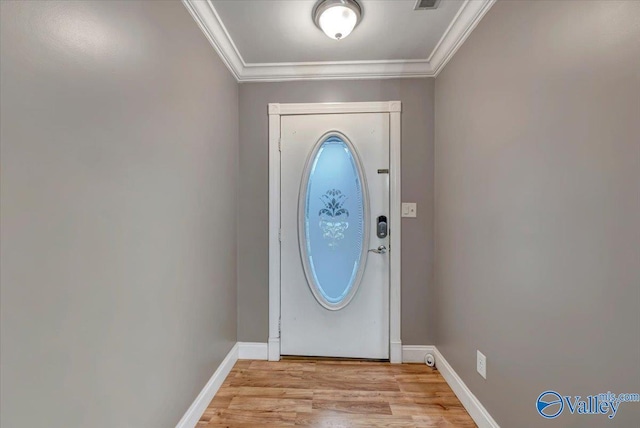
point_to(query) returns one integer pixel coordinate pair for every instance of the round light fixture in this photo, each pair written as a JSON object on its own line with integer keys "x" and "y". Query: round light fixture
{"x": 337, "y": 18}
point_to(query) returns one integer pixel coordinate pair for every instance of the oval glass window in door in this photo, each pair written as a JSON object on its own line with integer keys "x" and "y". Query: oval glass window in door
{"x": 333, "y": 221}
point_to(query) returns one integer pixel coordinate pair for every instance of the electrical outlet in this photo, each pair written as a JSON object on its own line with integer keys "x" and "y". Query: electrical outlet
{"x": 481, "y": 364}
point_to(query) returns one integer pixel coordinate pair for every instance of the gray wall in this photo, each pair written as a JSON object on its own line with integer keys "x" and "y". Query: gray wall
{"x": 538, "y": 207}
{"x": 118, "y": 195}
{"x": 417, "y": 186}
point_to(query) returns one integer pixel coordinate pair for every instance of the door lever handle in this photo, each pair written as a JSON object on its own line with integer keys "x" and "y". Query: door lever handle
{"x": 380, "y": 250}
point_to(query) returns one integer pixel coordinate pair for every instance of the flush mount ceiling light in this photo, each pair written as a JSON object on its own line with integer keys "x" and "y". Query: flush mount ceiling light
{"x": 337, "y": 18}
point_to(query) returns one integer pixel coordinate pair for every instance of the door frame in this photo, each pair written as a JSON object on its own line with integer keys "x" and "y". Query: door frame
{"x": 276, "y": 110}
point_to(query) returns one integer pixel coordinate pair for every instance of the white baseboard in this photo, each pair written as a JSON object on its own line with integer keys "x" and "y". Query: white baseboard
{"x": 252, "y": 351}
{"x": 416, "y": 353}
{"x": 197, "y": 408}
{"x": 476, "y": 410}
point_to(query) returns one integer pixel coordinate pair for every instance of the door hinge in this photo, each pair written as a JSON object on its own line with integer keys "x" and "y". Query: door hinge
{"x": 279, "y": 326}
{"x": 280, "y": 144}
{"x": 279, "y": 235}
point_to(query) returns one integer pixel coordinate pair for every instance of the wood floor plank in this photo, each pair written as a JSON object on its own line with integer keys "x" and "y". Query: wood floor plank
{"x": 390, "y": 369}
{"x": 270, "y": 404}
{"x": 220, "y": 401}
{"x": 443, "y": 421}
{"x": 420, "y": 378}
{"x": 238, "y": 418}
{"x": 242, "y": 364}
{"x": 232, "y": 391}
{"x": 431, "y": 409}
{"x": 356, "y": 395}
{"x": 331, "y": 420}
{"x": 270, "y": 374}
{"x": 283, "y": 365}
{"x": 326, "y": 393}
{"x": 357, "y": 407}
{"x": 281, "y": 380}
{"x": 339, "y": 380}
{"x": 423, "y": 387}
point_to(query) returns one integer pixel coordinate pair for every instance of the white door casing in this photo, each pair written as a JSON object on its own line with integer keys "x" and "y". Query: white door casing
{"x": 304, "y": 321}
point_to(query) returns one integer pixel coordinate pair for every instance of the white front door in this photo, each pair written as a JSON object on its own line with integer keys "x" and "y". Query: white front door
{"x": 334, "y": 211}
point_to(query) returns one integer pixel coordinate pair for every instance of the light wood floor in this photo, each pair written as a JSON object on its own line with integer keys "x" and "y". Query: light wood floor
{"x": 325, "y": 393}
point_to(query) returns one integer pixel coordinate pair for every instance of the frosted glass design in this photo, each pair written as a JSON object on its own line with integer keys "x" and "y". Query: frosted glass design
{"x": 333, "y": 217}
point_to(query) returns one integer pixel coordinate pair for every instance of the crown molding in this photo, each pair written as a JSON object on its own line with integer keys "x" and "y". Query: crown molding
{"x": 277, "y": 72}
{"x": 207, "y": 18}
{"x": 467, "y": 18}
{"x": 211, "y": 25}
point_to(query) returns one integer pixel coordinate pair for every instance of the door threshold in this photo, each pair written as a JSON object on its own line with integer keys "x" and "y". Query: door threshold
{"x": 332, "y": 359}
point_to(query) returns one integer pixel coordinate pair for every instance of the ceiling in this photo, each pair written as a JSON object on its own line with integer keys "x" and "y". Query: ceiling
{"x": 276, "y": 40}
{"x": 282, "y": 31}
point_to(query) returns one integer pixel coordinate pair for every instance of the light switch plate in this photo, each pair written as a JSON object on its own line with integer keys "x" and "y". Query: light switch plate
{"x": 409, "y": 209}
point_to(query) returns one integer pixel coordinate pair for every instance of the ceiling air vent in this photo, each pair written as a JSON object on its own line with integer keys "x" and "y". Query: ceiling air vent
{"x": 426, "y": 4}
